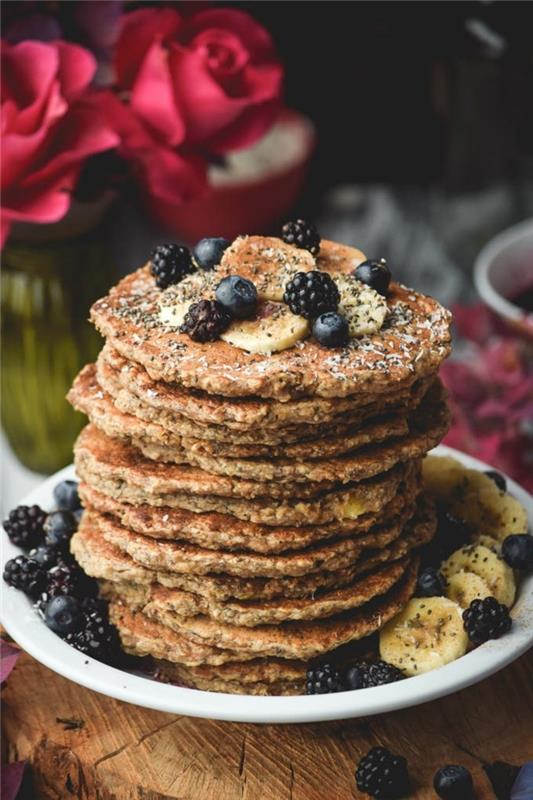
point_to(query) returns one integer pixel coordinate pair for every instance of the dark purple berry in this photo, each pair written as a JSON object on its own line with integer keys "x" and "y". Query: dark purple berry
{"x": 301, "y": 234}
{"x": 374, "y": 273}
{"x": 62, "y": 615}
{"x": 24, "y": 526}
{"x": 453, "y": 782}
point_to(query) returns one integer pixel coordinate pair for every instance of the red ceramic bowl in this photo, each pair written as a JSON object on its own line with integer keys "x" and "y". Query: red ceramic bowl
{"x": 249, "y": 206}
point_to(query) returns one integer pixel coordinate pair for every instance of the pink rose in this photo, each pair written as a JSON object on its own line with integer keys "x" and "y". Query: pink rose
{"x": 211, "y": 79}
{"x": 50, "y": 124}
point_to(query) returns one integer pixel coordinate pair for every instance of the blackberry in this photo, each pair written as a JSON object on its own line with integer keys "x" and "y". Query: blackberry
{"x": 24, "y": 526}
{"x": 67, "y": 578}
{"x": 96, "y": 637}
{"x": 311, "y": 294}
{"x": 430, "y": 583}
{"x": 301, "y": 234}
{"x": 382, "y": 774}
{"x": 26, "y": 575}
{"x": 363, "y": 676}
{"x": 170, "y": 263}
{"x": 517, "y": 551}
{"x": 323, "y": 679}
{"x": 453, "y": 782}
{"x": 205, "y": 321}
{"x": 486, "y": 619}
{"x": 498, "y": 479}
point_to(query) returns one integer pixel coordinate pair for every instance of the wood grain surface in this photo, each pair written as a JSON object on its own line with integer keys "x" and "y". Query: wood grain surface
{"x": 87, "y": 746}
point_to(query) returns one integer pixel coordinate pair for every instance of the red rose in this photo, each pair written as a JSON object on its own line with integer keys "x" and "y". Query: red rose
{"x": 211, "y": 80}
{"x": 50, "y": 125}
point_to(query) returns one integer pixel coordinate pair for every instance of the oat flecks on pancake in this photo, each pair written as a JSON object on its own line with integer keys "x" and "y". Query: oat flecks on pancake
{"x": 413, "y": 341}
{"x": 245, "y": 512}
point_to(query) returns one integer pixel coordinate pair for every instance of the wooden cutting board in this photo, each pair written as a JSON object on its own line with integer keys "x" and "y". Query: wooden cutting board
{"x": 86, "y": 746}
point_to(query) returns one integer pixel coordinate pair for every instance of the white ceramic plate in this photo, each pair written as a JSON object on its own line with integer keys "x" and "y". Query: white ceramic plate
{"x": 32, "y": 635}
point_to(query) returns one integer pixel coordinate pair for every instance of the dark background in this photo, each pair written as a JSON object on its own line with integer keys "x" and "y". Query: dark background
{"x": 403, "y": 93}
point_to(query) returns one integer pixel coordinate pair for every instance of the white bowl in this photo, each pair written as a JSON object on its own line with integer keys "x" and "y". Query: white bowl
{"x": 503, "y": 268}
{"x": 22, "y": 623}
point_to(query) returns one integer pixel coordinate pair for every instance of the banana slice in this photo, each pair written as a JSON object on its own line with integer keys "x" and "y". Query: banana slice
{"x": 427, "y": 634}
{"x": 463, "y": 587}
{"x": 441, "y": 475}
{"x": 364, "y": 309}
{"x": 176, "y": 299}
{"x": 275, "y": 328}
{"x": 488, "y": 541}
{"x": 266, "y": 261}
{"x": 487, "y": 565}
{"x": 475, "y": 498}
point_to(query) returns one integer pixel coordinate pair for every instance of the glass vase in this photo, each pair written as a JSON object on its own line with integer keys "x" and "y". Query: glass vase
{"x": 49, "y": 281}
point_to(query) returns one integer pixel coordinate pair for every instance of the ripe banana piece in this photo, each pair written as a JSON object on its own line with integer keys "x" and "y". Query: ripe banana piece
{"x": 363, "y": 308}
{"x": 427, "y": 634}
{"x": 274, "y": 329}
{"x": 475, "y": 498}
{"x": 483, "y": 562}
{"x": 463, "y": 587}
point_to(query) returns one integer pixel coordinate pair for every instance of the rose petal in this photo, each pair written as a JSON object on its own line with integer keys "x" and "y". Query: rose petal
{"x": 8, "y": 659}
{"x": 138, "y": 30}
{"x": 152, "y": 97}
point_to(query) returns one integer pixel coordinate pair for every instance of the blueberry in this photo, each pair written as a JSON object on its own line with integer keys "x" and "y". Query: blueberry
{"x": 66, "y": 495}
{"x": 62, "y": 615}
{"x": 375, "y": 273}
{"x": 46, "y": 555}
{"x": 453, "y": 782}
{"x": 331, "y": 329}
{"x": 59, "y": 527}
{"x": 238, "y": 296}
{"x": 498, "y": 479}
{"x": 430, "y": 583}
{"x": 208, "y": 252}
{"x": 517, "y": 551}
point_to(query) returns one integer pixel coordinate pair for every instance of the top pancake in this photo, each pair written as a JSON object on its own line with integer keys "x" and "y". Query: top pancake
{"x": 414, "y": 339}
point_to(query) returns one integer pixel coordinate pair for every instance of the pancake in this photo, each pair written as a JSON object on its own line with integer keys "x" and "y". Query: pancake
{"x": 119, "y": 471}
{"x": 140, "y": 636}
{"x": 105, "y": 561}
{"x": 411, "y": 344}
{"x": 216, "y": 531}
{"x": 170, "y": 403}
{"x": 378, "y": 449}
{"x": 299, "y": 640}
{"x": 102, "y": 560}
{"x": 88, "y": 396}
{"x": 184, "y": 557}
{"x": 172, "y": 638}
{"x": 250, "y": 614}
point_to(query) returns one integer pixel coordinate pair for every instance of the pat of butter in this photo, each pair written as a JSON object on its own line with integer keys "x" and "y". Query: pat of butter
{"x": 173, "y": 315}
{"x": 353, "y": 508}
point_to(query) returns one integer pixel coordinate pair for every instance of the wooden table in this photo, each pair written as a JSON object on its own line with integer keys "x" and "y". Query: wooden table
{"x": 114, "y": 751}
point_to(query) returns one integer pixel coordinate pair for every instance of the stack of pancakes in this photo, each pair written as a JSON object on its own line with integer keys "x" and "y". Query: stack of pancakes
{"x": 247, "y": 513}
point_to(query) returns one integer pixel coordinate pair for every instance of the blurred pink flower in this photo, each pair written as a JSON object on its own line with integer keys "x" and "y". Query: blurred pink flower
{"x": 51, "y": 123}
{"x": 490, "y": 381}
{"x": 211, "y": 79}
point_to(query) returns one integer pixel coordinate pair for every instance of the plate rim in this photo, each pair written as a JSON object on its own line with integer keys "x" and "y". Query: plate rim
{"x": 24, "y": 626}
